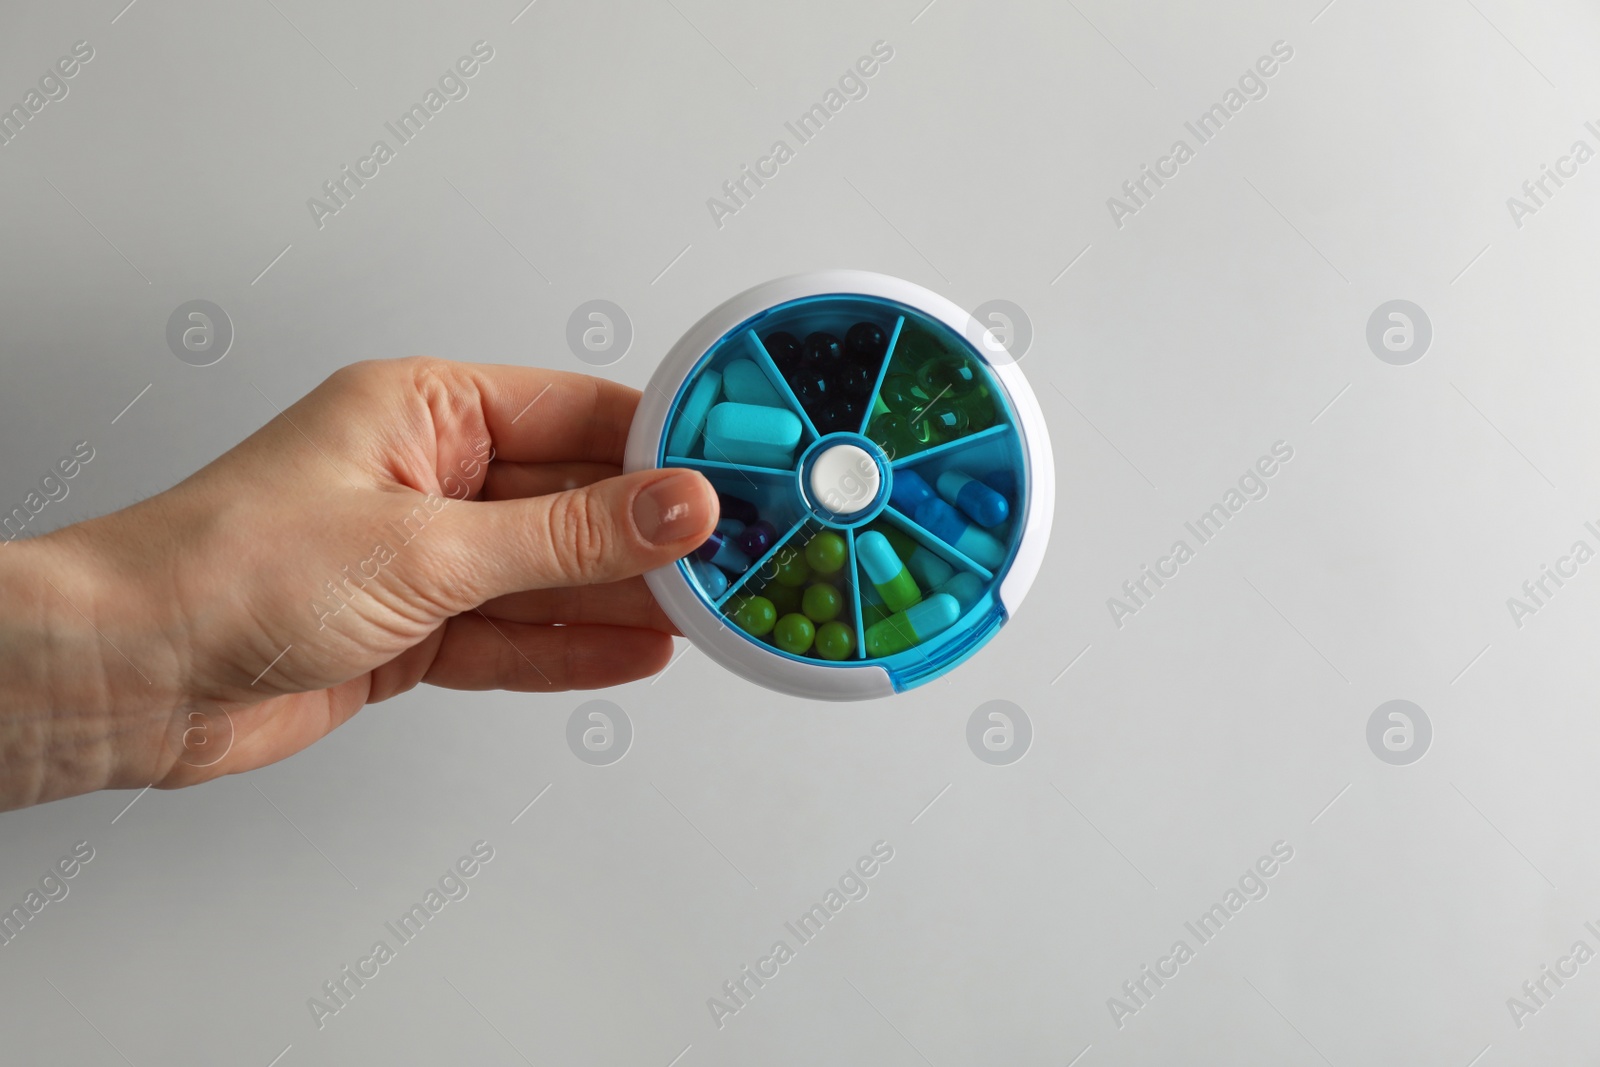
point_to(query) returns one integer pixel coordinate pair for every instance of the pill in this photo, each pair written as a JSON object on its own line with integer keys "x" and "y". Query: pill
{"x": 692, "y": 415}
{"x": 982, "y": 505}
{"x": 978, "y": 405}
{"x": 713, "y": 582}
{"x": 784, "y": 348}
{"x": 904, "y": 544}
{"x": 929, "y": 570}
{"x": 721, "y": 551}
{"x": 808, "y": 387}
{"x": 753, "y": 435}
{"x": 913, "y": 626}
{"x": 835, "y": 640}
{"x": 791, "y": 567}
{"x": 966, "y": 587}
{"x": 939, "y": 424}
{"x": 947, "y": 524}
{"x": 1002, "y": 481}
{"x": 794, "y": 634}
{"x": 865, "y": 342}
{"x": 873, "y": 613}
{"x": 839, "y": 414}
{"x": 756, "y": 538}
{"x": 730, "y": 527}
{"x": 822, "y": 351}
{"x": 821, "y": 602}
{"x": 947, "y": 373}
{"x": 885, "y": 571}
{"x": 899, "y": 393}
{"x": 785, "y": 598}
{"x": 908, "y": 491}
{"x": 892, "y": 433}
{"x": 855, "y": 380}
{"x": 745, "y": 383}
{"x": 755, "y": 615}
{"x": 826, "y": 552}
{"x": 734, "y": 507}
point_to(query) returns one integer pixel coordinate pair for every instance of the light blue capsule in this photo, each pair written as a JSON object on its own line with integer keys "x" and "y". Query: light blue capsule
{"x": 744, "y": 383}
{"x": 933, "y": 616}
{"x": 692, "y": 415}
{"x": 877, "y": 557}
{"x": 928, "y": 569}
{"x": 752, "y": 435}
{"x": 712, "y": 581}
{"x": 966, "y": 587}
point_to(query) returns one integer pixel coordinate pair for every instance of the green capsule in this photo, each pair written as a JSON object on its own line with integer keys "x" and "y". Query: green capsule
{"x": 892, "y": 433}
{"x": 978, "y": 405}
{"x": 943, "y": 423}
{"x": 948, "y": 374}
{"x": 899, "y": 393}
{"x": 911, "y": 627}
{"x": 904, "y": 544}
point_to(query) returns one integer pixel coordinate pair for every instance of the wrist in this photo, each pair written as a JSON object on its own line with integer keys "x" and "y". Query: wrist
{"x": 86, "y": 692}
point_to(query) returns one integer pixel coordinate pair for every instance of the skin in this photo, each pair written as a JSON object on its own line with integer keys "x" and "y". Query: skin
{"x": 137, "y": 647}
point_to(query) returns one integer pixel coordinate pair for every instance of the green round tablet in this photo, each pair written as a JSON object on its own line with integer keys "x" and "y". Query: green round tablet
{"x": 791, "y": 566}
{"x": 755, "y": 615}
{"x": 826, "y": 552}
{"x": 785, "y": 598}
{"x": 835, "y": 640}
{"x": 822, "y": 603}
{"x": 794, "y": 634}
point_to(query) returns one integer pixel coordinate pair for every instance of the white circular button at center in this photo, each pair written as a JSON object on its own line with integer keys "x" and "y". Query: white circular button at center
{"x": 844, "y": 479}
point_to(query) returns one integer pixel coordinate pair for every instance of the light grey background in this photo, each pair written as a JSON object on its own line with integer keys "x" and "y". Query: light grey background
{"x": 1228, "y": 314}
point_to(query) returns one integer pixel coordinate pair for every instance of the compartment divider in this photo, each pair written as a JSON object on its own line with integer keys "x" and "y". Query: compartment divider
{"x": 938, "y": 547}
{"x": 855, "y": 593}
{"x": 957, "y": 445}
{"x": 760, "y": 350}
{"x": 724, "y": 465}
{"x": 883, "y": 372}
{"x": 757, "y": 564}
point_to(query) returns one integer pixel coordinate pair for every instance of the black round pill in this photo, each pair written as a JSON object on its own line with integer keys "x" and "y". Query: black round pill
{"x": 838, "y": 414}
{"x": 854, "y": 379}
{"x": 809, "y": 388}
{"x": 866, "y": 341}
{"x": 823, "y": 351}
{"x": 784, "y": 348}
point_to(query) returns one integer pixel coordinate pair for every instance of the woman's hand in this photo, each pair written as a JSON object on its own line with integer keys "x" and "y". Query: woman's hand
{"x": 407, "y": 521}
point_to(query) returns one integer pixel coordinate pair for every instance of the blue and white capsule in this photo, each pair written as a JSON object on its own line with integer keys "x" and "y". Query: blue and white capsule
{"x": 982, "y": 504}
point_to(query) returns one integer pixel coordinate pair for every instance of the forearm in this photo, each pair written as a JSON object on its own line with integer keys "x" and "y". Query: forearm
{"x": 76, "y": 714}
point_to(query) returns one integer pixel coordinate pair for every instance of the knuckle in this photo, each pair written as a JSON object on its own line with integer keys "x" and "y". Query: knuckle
{"x": 580, "y": 533}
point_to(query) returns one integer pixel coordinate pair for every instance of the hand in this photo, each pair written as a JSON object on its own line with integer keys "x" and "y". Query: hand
{"x": 407, "y": 521}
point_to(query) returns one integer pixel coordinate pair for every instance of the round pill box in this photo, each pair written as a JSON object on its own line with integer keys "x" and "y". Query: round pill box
{"x": 885, "y": 479}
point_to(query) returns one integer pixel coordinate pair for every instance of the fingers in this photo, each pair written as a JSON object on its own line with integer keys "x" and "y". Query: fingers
{"x": 605, "y": 532}
{"x": 625, "y": 603}
{"x": 512, "y": 481}
{"x": 478, "y": 653}
{"x": 534, "y": 414}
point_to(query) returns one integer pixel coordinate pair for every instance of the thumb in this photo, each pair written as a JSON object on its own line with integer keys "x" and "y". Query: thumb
{"x": 603, "y": 532}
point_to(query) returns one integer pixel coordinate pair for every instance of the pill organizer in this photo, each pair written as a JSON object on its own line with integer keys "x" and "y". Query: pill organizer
{"x": 885, "y": 480}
